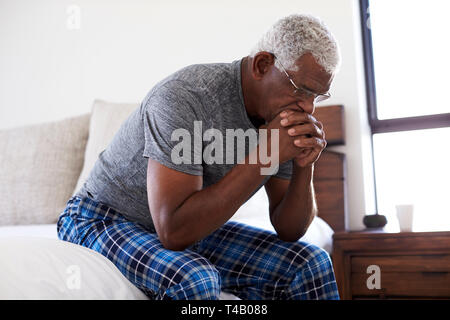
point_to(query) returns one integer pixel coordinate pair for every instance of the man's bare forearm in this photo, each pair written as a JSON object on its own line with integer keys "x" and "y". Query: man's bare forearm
{"x": 293, "y": 215}
{"x": 208, "y": 209}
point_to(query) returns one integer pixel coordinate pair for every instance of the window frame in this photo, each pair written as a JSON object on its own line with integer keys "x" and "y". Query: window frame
{"x": 432, "y": 121}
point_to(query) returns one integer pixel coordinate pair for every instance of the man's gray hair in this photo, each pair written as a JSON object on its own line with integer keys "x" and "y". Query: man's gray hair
{"x": 293, "y": 36}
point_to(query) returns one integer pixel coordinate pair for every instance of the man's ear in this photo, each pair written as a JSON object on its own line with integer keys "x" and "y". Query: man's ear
{"x": 261, "y": 64}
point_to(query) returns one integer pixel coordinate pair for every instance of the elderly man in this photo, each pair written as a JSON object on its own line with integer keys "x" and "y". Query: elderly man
{"x": 164, "y": 223}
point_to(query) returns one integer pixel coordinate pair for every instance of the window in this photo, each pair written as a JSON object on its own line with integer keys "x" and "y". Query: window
{"x": 407, "y": 66}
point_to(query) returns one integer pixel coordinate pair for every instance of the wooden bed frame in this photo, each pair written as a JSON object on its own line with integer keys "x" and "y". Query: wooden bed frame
{"x": 330, "y": 169}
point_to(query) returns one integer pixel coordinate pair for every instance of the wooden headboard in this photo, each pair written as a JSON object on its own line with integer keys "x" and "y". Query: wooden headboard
{"x": 330, "y": 169}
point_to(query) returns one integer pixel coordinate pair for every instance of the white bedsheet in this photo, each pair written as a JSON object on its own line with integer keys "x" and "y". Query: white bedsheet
{"x": 43, "y": 268}
{"x": 37, "y": 230}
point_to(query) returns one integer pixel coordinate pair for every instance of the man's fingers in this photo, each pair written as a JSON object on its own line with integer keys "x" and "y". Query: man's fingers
{"x": 311, "y": 157}
{"x": 320, "y": 125}
{"x": 305, "y": 152}
{"x": 306, "y": 129}
{"x": 294, "y": 117}
{"x": 312, "y": 142}
{"x": 291, "y": 118}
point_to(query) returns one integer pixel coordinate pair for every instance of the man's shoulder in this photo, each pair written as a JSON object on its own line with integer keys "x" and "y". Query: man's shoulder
{"x": 201, "y": 75}
{"x": 194, "y": 81}
{"x": 215, "y": 67}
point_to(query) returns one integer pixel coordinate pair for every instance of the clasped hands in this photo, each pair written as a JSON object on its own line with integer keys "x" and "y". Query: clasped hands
{"x": 301, "y": 136}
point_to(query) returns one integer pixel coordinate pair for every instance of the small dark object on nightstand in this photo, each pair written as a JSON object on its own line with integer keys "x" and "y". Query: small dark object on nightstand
{"x": 375, "y": 221}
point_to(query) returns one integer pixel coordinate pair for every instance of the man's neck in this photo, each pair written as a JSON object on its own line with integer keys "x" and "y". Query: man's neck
{"x": 249, "y": 93}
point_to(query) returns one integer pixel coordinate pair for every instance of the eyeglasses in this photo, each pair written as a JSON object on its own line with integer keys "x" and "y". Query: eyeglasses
{"x": 304, "y": 93}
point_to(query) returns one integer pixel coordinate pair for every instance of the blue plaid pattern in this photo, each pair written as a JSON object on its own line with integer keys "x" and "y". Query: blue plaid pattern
{"x": 246, "y": 261}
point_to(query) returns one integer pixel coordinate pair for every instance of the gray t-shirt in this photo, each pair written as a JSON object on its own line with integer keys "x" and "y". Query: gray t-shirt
{"x": 210, "y": 93}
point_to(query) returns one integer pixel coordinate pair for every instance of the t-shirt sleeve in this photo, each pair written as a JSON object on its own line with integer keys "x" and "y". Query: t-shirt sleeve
{"x": 168, "y": 118}
{"x": 285, "y": 170}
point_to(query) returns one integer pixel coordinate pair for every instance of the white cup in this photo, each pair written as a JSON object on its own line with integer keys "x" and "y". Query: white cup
{"x": 405, "y": 216}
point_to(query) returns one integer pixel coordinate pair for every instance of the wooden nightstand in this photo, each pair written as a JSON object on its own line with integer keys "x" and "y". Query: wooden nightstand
{"x": 413, "y": 265}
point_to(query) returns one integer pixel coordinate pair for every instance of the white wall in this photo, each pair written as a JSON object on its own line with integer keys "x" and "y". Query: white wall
{"x": 49, "y": 71}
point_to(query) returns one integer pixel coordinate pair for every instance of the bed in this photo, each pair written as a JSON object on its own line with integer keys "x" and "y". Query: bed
{"x": 36, "y": 265}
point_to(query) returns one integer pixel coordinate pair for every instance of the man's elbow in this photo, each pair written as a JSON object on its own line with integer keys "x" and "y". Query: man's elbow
{"x": 173, "y": 246}
{"x": 171, "y": 241}
{"x": 291, "y": 235}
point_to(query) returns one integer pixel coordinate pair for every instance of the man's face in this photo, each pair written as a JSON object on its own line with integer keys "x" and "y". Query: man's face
{"x": 279, "y": 93}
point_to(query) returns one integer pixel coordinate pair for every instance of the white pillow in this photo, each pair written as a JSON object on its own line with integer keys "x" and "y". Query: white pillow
{"x": 106, "y": 119}
{"x": 40, "y": 268}
{"x": 39, "y": 167}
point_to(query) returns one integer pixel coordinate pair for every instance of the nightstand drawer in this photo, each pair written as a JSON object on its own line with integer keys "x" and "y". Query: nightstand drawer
{"x": 403, "y": 276}
{"x": 403, "y": 285}
{"x": 402, "y": 263}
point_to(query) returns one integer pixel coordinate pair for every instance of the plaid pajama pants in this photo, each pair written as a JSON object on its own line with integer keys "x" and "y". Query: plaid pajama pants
{"x": 248, "y": 262}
